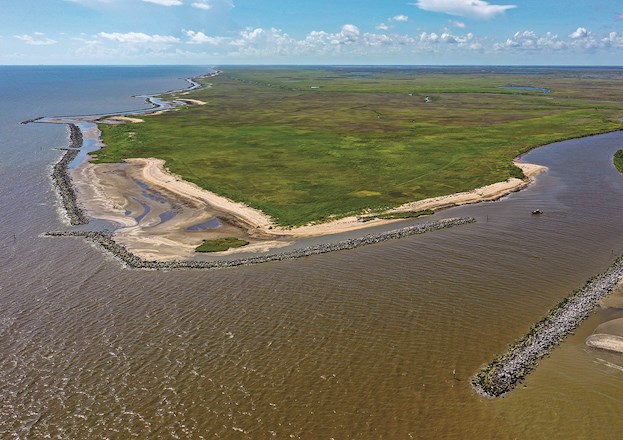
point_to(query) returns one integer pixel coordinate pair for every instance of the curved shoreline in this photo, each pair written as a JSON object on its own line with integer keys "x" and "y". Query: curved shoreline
{"x": 505, "y": 372}
{"x": 106, "y": 242}
{"x": 155, "y": 174}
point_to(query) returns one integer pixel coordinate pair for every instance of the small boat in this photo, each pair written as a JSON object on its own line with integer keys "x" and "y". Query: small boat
{"x": 537, "y": 212}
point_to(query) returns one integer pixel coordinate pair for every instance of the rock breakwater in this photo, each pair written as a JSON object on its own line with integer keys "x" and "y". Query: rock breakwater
{"x": 66, "y": 191}
{"x": 75, "y": 136}
{"x": 105, "y": 241}
{"x": 504, "y": 373}
{"x": 28, "y": 121}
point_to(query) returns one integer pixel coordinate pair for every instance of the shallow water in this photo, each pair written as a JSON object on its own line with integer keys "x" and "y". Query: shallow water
{"x": 376, "y": 342}
{"x": 529, "y": 88}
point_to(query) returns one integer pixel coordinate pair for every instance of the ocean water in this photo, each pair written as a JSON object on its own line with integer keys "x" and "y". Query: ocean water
{"x": 373, "y": 343}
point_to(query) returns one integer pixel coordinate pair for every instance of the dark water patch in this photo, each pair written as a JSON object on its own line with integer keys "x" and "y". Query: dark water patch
{"x": 142, "y": 185}
{"x": 149, "y": 193}
{"x": 527, "y": 88}
{"x": 146, "y": 210}
{"x": 212, "y": 223}
{"x": 166, "y": 216}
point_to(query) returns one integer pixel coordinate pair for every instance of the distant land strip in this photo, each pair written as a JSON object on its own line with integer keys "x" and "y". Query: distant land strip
{"x": 106, "y": 241}
{"x": 507, "y": 370}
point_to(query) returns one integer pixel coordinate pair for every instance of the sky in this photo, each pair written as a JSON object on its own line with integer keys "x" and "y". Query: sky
{"x": 218, "y": 32}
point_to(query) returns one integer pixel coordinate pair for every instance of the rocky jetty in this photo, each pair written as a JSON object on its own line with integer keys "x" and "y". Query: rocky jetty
{"x": 504, "y": 373}
{"x": 28, "y": 121}
{"x": 75, "y": 136}
{"x": 66, "y": 191}
{"x": 106, "y": 241}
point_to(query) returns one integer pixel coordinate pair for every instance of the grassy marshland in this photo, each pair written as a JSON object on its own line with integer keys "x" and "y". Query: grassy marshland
{"x": 365, "y": 139}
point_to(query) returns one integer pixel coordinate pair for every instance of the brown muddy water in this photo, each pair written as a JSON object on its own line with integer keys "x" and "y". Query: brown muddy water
{"x": 372, "y": 343}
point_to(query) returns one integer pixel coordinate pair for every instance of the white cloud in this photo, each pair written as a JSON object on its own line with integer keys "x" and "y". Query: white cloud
{"x": 137, "y": 38}
{"x": 579, "y": 33}
{"x": 529, "y": 40}
{"x": 382, "y": 27}
{"x": 349, "y": 41}
{"x": 613, "y": 40}
{"x": 37, "y": 39}
{"x": 165, "y": 2}
{"x": 202, "y": 5}
{"x": 201, "y": 38}
{"x": 457, "y": 24}
{"x": 579, "y": 40}
{"x": 401, "y": 18}
{"x": 463, "y": 8}
{"x": 349, "y": 33}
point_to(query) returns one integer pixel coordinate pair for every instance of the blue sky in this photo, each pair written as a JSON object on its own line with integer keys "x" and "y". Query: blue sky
{"x": 311, "y": 32}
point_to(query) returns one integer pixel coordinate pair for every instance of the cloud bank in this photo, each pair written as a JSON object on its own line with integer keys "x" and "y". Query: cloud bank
{"x": 463, "y": 8}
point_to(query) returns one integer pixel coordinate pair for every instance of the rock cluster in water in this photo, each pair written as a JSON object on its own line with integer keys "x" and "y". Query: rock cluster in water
{"x": 66, "y": 191}
{"x": 106, "y": 241}
{"x": 504, "y": 373}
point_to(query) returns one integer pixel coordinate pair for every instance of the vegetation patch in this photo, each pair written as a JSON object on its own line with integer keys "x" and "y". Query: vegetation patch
{"x": 618, "y": 160}
{"x": 221, "y": 244}
{"x": 399, "y": 215}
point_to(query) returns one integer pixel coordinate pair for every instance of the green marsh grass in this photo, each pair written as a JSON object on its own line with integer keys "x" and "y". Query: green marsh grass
{"x": 618, "y": 160}
{"x": 362, "y": 142}
{"x": 221, "y": 244}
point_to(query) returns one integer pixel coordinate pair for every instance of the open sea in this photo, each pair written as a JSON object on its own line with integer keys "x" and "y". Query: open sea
{"x": 372, "y": 343}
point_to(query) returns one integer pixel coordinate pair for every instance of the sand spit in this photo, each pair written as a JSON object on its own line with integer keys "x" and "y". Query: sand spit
{"x": 504, "y": 373}
{"x": 107, "y": 243}
{"x": 121, "y": 119}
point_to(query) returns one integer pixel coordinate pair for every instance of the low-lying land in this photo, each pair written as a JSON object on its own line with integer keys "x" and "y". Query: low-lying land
{"x": 309, "y": 145}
